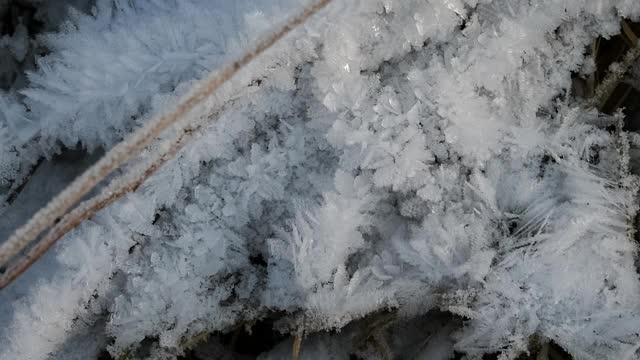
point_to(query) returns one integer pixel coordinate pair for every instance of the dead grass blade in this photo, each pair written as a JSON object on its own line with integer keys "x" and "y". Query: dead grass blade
{"x": 55, "y": 210}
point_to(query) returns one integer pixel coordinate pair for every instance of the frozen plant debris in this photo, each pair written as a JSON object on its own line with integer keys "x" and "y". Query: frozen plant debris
{"x": 417, "y": 168}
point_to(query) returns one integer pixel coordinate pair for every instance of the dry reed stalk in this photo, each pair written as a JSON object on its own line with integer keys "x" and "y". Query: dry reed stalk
{"x": 604, "y": 90}
{"x": 114, "y": 191}
{"x": 122, "y": 153}
{"x": 297, "y": 345}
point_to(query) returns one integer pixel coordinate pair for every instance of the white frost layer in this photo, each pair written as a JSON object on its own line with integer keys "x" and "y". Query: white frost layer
{"x": 392, "y": 154}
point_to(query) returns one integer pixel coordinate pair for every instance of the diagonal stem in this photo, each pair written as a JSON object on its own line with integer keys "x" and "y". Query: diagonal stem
{"x": 615, "y": 76}
{"x": 127, "y": 149}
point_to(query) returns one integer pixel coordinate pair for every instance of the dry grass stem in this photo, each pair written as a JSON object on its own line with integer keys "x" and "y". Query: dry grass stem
{"x": 114, "y": 191}
{"x": 119, "y": 155}
{"x": 629, "y": 34}
{"x": 604, "y": 90}
{"x": 297, "y": 344}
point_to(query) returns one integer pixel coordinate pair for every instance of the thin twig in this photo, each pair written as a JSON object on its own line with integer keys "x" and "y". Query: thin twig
{"x": 125, "y": 150}
{"x": 613, "y": 78}
{"x": 629, "y": 34}
{"x": 297, "y": 344}
{"x": 114, "y": 191}
{"x": 592, "y": 79}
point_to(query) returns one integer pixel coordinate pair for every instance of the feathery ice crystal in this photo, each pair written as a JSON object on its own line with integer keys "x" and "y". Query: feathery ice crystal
{"x": 415, "y": 156}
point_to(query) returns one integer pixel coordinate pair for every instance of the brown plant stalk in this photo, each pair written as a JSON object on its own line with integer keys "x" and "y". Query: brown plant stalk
{"x": 121, "y": 153}
{"x": 604, "y": 90}
{"x": 114, "y": 191}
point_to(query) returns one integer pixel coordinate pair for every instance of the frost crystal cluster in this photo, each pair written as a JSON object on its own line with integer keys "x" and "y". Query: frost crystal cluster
{"x": 423, "y": 161}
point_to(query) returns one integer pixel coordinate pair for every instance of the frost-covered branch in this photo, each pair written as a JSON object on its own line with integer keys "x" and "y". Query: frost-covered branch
{"x": 617, "y": 71}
